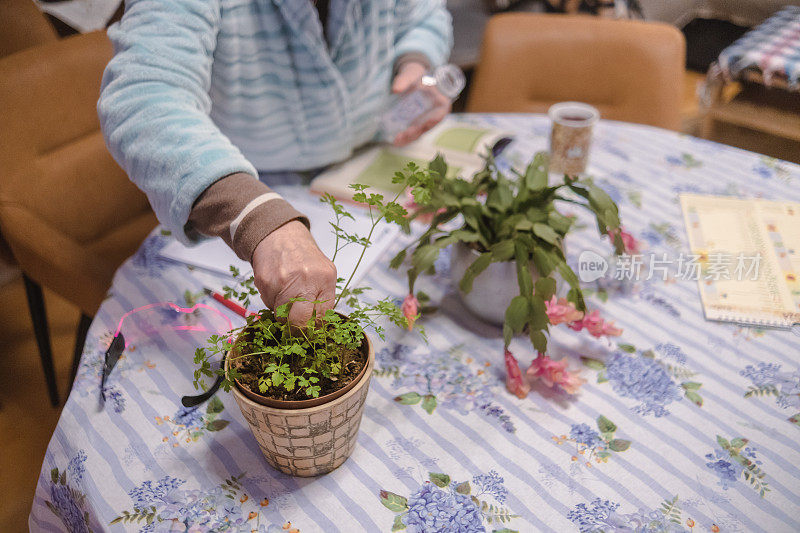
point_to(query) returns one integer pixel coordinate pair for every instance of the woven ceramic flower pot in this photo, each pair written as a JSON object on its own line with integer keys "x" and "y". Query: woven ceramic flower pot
{"x": 309, "y": 441}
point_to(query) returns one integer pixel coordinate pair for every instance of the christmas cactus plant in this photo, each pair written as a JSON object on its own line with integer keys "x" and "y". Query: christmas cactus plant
{"x": 511, "y": 218}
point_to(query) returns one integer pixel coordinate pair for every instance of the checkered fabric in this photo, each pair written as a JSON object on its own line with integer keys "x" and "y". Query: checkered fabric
{"x": 772, "y": 49}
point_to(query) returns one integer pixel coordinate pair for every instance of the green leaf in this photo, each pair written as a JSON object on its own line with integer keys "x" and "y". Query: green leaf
{"x": 523, "y": 225}
{"x": 691, "y": 385}
{"x": 545, "y": 288}
{"x": 424, "y": 257}
{"x": 538, "y": 313}
{"x": 429, "y": 403}
{"x": 440, "y": 480}
{"x": 500, "y": 198}
{"x": 594, "y": 364}
{"x": 463, "y": 488}
{"x": 630, "y": 348}
{"x": 538, "y": 340}
{"x": 393, "y": 502}
{"x": 54, "y": 475}
{"x": 559, "y": 222}
{"x": 409, "y": 398}
{"x": 215, "y": 406}
{"x": 398, "y": 524}
{"x": 605, "y": 425}
{"x": 508, "y": 334}
{"x": 217, "y": 425}
{"x": 723, "y": 442}
{"x": 479, "y": 265}
{"x": 438, "y": 165}
{"x": 544, "y": 261}
{"x": 517, "y": 313}
{"x": 546, "y": 233}
{"x": 521, "y": 261}
{"x": 503, "y": 250}
{"x": 619, "y": 445}
{"x": 694, "y": 398}
{"x": 505, "y": 530}
{"x": 738, "y": 443}
{"x": 536, "y": 173}
{"x": 398, "y": 259}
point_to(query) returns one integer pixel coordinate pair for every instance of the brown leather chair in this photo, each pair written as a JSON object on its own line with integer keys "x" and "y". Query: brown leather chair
{"x": 22, "y": 26}
{"x": 630, "y": 70}
{"x": 68, "y": 212}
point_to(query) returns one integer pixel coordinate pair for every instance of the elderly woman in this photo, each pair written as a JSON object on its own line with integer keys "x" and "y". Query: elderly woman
{"x": 203, "y": 95}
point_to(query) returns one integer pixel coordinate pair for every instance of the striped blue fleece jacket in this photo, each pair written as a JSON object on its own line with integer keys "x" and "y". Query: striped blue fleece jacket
{"x": 201, "y": 89}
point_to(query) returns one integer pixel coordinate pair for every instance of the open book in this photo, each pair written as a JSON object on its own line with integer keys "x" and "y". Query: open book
{"x": 461, "y": 144}
{"x": 749, "y": 252}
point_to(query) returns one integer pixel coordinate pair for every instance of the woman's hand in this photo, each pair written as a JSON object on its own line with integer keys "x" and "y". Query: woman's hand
{"x": 288, "y": 264}
{"x": 408, "y": 78}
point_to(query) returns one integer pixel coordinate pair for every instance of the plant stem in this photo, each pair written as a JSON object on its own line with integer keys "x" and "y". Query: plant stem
{"x": 336, "y": 247}
{"x": 363, "y": 251}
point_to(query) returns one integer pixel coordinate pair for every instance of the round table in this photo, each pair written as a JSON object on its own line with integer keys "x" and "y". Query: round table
{"x": 646, "y": 443}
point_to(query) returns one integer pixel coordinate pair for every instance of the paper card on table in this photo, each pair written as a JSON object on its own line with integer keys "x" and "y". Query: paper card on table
{"x": 211, "y": 254}
{"x": 461, "y": 144}
{"x": 215, "y": 256}
{"x": 749, "y": 256}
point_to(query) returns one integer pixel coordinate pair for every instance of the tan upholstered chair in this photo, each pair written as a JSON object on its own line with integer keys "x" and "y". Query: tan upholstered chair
{"x": 22, "y": 26}
{"x": 631, "y": 71}
{"x": 68, "y": 212}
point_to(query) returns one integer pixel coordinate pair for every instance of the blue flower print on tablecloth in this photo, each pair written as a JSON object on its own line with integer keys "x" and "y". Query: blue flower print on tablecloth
{"x": 440, "y": 379}
{"x": 189, "y": 424}
{"x": 166, "y": 505}
{"x": 147, "y": 259}
{"x": 733, "y": 460}
{"x": 604, "y": 515}
{"x": 684, "y": 160}
{"x": 771, "y": 168}
{"x": 593, "y": 445}
{"x": 654, "y": 378}
{"x": 66, "y": 500}
{"x": 445, "y": 506}
{"x": 87, "y": 381}
{"x": 621, "y": 194}
{"x": 768, "y": 380}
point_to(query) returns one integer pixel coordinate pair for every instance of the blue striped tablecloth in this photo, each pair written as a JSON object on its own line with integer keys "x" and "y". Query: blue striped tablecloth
{"x": 477, "y": 458}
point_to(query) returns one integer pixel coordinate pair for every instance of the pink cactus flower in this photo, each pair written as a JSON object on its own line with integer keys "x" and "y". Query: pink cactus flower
{"x": 544, "y": 368}
{"x": 631, "y": 245}
{"x": 515, "y": 382}
{"x": 410, "y": 309}
{"x": 571, "y": 382}
{"x": 560, "y": 311}
{"x": 554, "y": 373}
{"x": 596, "y": 326}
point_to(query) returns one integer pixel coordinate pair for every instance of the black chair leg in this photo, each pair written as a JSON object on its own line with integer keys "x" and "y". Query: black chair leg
{"x": 40, "y": 330}
{"x": 80, "y": 340}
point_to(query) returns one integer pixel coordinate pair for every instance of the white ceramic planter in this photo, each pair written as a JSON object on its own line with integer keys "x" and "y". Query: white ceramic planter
{"x": 492, "y": 289}
{"x": 309, "y": 441}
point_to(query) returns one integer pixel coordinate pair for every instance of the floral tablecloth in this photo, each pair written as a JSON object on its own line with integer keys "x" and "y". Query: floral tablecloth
{"x": 684, "y": 424}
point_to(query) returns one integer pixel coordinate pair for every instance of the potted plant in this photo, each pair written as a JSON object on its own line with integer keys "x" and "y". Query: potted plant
{"x": 302, "y": 389}
{"x": 508, "y": 251}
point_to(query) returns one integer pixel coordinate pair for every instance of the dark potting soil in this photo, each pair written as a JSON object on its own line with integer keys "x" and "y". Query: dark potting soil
{"x": 250, "y": 369}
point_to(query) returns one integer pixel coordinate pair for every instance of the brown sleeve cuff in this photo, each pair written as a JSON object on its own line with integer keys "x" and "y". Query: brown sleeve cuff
{"x": 411, "y": 57}
{"x": 242, "y": 211}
